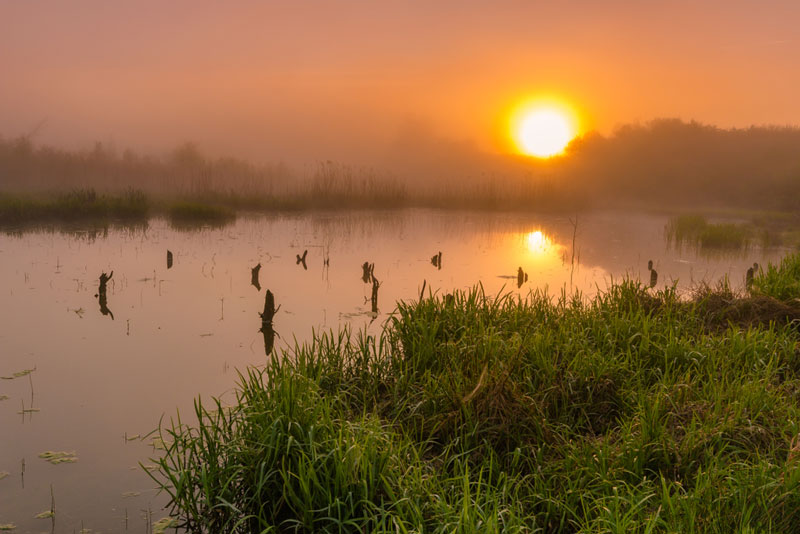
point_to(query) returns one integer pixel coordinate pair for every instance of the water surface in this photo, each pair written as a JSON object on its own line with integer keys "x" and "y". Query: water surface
{"x": 103, "y": 375}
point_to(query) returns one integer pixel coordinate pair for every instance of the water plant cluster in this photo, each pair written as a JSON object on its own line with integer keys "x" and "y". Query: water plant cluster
{"x": 634, "y": 411}
{"x": 696, "y": 230}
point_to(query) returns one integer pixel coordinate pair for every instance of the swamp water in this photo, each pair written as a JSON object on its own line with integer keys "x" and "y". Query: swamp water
{"x": 102, "y": 374}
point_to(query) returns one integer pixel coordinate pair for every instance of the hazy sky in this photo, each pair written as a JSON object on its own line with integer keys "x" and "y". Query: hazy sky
{"x": 349, "y": 80}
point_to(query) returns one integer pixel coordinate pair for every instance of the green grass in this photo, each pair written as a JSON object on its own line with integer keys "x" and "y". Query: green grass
{"x": 780, "y": 281}
{"x": 635, "y": 411}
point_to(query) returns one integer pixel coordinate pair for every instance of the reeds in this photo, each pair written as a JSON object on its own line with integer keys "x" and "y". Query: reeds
{"x": 77, "y": 205}
{"x": 696, "y": 231}
{"x": 636, "y": 411}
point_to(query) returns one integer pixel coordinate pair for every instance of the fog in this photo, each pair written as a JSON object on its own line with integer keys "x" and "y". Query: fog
{"x": 666, "y": 163}
{"x": 417, "y": 89}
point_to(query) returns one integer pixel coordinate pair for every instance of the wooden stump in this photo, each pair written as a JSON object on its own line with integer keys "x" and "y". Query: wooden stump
{"x": 254, "y": 276}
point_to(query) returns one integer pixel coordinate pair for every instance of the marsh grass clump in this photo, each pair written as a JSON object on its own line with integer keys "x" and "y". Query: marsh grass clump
{"x": 696, "y": 231}
{"x": 76, "y": 205}
{"x": 634, "y": 411}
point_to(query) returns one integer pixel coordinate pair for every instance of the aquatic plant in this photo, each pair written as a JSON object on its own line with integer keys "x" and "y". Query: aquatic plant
{"x": 695, "y": 230}
{"x": 59, "y": 457}
{"x": 634, "y": 411}
{"x": 81, "y": 204}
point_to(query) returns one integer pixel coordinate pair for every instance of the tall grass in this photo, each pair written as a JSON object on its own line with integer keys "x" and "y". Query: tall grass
{"x": 781, "y": 281}
{"x": 635, "y": 411}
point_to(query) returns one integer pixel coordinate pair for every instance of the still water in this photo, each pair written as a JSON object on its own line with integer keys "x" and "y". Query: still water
{"x": 104, "y": 373}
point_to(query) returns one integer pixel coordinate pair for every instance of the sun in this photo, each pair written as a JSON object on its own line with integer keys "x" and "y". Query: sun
{"x": 542, "y": 129}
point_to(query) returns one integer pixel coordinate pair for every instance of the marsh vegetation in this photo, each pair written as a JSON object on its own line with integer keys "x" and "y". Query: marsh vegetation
{"x": 661, "y": 164}
{"x": 745, "y": 232}
{"x": 634, "y": 411}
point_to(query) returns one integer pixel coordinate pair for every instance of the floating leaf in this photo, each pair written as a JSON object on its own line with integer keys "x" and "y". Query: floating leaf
{"x": 19, "y": 374}
{"x": 158, "y": 444}
{"x": 160, "y": 526}
{"x": 3, "y": 397}
{"x": 4, "y": 474}
{"x": 59, "y": 457}
{"x": 8, "y": 526}
{"x": 131, "y": 493}
{"x": 47, "y": 514}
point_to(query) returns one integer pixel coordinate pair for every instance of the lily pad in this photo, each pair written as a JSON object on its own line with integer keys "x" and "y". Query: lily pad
{"x": 59, "y": 457}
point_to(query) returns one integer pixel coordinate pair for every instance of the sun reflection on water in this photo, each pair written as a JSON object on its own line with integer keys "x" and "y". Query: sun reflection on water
{"x": 539, "y": 243}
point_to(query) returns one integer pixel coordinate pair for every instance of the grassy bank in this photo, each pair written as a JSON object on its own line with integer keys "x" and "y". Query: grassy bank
{"x": 75, "y": 205}
{"x": 637, "y": 411}
{"x": 89, "y": 206}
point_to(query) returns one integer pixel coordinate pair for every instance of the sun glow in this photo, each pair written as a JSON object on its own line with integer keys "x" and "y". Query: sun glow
{"x": 542, "y": 129}
{"x": 538, "y": 242}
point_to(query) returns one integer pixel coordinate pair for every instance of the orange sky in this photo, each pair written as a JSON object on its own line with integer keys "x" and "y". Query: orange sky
{"x": 348, "y": 80}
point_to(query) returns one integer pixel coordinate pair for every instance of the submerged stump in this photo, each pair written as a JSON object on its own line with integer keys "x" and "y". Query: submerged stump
{"x": 102, "y": 295}
{"x": 254, "y": 276}
{"x": 522, "y": 277}
{"x": 367, "y": 269}
{"x": 436, "y": 260}
{"x": 266, "y": 321}
{"x": 302, "y": 259}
